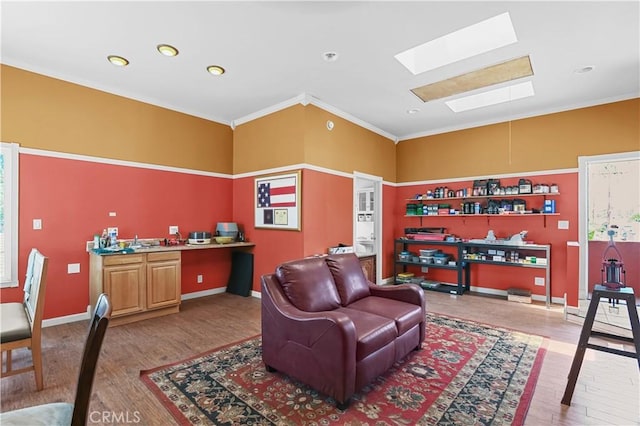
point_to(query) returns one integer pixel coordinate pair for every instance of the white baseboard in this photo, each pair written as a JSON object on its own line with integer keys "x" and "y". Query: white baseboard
{"x": 65, "y": 319}
{"x": 203, "y": 293}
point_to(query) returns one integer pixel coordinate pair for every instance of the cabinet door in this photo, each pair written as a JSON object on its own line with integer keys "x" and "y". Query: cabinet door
{"x": 163, "y": 283}
{"x": 362, "y": 201}
{"x": 125, "y": 286}
{"x": 368, "y": 265}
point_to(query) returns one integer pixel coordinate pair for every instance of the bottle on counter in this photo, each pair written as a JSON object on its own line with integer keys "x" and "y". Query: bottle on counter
{"x": 104, "y": 239}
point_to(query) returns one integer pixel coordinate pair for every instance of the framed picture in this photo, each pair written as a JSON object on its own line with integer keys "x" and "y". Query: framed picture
{"x": 277, "y": 201}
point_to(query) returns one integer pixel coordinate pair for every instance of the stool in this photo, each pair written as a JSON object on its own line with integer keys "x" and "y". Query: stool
{"x": 600, "y": 291}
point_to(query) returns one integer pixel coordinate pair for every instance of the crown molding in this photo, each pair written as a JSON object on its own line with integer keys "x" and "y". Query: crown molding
{"x": 305, "y": 99}
{"x": 538, "y": 113}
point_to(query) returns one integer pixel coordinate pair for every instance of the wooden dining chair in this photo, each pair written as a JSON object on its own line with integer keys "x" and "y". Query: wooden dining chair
{"x": 62, "y": 413}
{"x": 21, "y": 323}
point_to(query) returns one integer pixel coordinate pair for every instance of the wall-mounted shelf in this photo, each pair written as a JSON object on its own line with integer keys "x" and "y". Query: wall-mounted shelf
{"x": 484, "y": 197}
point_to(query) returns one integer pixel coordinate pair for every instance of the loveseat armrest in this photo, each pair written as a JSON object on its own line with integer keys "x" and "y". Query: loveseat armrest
{"x": 302, "y": 327}
{"x": 409, "y": 293}
{"x": 318, "y": 348}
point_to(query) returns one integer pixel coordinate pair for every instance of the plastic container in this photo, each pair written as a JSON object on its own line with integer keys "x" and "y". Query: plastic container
{"x": 404, "y": 256}
{"x": 426, "y": 259}
{"x": 428, "y": 252}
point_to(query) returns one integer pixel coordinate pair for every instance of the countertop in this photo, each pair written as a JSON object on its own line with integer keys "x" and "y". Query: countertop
{"x": 181, "y": 247}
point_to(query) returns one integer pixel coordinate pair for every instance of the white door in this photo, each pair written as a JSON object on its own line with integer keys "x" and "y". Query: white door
{"x": 367, "y": 217}
{"x": 609, "y": 217}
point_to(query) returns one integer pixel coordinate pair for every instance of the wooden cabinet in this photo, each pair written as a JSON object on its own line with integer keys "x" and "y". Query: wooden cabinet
{"x": 139, "y": 285}
{"x": 163, "y": 279}
{"x": 124, "y": 281}
{"x": 368, "y": 264}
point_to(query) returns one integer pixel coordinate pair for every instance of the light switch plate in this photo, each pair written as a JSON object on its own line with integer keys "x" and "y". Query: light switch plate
{"x": 539, "y": 281}
{"x": 73, "y": 268}
{"x": 37, "y": 224}
{"x": 563, "y": 224}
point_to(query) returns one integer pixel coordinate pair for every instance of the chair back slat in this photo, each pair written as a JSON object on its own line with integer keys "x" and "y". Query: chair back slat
{"x": 97, "y": 330}
{"x": 35, "y": 286}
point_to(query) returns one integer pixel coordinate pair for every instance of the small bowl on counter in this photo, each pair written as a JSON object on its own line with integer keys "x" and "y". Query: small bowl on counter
{"x": 223, "y": 239}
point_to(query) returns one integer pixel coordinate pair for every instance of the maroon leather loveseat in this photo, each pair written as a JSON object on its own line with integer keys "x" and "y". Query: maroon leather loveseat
{"x": 325, "y": 325}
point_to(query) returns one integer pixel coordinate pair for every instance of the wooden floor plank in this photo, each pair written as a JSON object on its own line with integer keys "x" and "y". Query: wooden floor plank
{"x": 209, "y": 322}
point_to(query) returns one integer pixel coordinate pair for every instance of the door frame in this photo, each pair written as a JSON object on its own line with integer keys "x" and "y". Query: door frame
{"x": 377, "y": 214}
{"x": 583, "y": 206}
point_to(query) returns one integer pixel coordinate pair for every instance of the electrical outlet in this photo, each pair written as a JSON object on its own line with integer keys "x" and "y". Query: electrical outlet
{"x": 173, "y": 230}
{"x": 73, "y": 268}
{"x": 563, "y": 224}
{"x": 199, "y": 279}
{"x": 425, "y": 269}
{"x": 538, "y": 281}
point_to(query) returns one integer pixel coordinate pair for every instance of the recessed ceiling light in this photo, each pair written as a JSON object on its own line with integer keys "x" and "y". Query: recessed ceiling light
{"x": 467, "y": 42}
{"x": 413, "y": 111}
{"x": 583, "y": 70}
{"x": 215, "y": 70}
{"x": 330, "y": 56}
{"x": 492, "y": 97}
{"x": 118, "y": 61}
{"x": 167, "y": 50}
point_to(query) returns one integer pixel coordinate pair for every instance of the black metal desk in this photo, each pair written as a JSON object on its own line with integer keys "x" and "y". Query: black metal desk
{"x": 599, "y": 292}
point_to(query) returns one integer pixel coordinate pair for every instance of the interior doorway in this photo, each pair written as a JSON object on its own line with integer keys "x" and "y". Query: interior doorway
{"x": 367, "y": 217}
{"x": 609, "y": 228}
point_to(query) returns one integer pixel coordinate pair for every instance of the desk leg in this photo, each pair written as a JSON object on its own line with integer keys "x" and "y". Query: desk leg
{"x": 580, "y": 350}
{"x": 635, "y": 324}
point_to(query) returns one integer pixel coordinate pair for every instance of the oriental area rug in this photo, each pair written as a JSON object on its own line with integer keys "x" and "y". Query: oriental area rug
{"x": 466, "y": 373}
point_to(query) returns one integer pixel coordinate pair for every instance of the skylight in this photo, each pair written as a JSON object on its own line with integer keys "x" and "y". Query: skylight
{"x": 467, "y": 42}
{"x": 492, "y": 97}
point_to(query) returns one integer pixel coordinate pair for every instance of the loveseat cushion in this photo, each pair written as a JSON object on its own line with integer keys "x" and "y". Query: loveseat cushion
{"x": 349, "y": 278}
{"x": 405, "y": 315}
{"x": 308, "y": 284}
{"x": 373, "y": 331}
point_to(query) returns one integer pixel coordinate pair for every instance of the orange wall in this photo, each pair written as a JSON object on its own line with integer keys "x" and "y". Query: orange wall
{"x": 73, "y": 199}
{"x": 275, "y": 140}
{"x": 547, "y": 142}
{"x": 541, "y": 230}
{"x": 298, "y": 135}
{"x": 348, "y": 147}
{"x": 272, "y": 246}
{"x": 54, "y": 115}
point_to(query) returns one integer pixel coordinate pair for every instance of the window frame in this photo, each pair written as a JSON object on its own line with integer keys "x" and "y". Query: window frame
{"x": 10, "y": 152}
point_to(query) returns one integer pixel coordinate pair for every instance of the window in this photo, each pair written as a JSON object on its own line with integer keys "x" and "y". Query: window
{"x": 614, "y": 200}
{"x": 9, "y": 215}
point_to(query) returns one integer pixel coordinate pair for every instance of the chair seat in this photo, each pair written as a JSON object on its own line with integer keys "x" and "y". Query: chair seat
{"x": 15, "y": 324}
{"x": 55, "y": 414}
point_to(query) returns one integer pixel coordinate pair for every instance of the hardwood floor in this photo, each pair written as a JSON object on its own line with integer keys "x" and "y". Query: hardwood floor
{"x": 607, "y": 392}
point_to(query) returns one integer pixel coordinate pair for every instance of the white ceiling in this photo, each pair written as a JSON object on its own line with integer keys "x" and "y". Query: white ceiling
{"x": 273, "y": 54}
